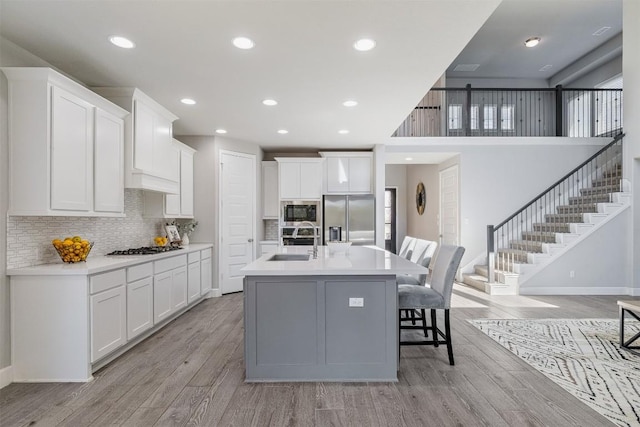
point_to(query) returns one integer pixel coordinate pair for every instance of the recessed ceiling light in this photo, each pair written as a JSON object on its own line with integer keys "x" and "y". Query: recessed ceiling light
{"x": 532, "y": 41}
{"x": 188, "y": 101}
{"x": 364, "y": 45}
{"x": 122, "y": 42}
{"x": 270, "y": 102}
{"x": 343, "y": 131}
{"x": 243, "y": 43}
{"x": 408, "y": 158}
{"x": 350, "y": 103}
{"x": 221, "y": 131}
{"x": 283, "y": 131}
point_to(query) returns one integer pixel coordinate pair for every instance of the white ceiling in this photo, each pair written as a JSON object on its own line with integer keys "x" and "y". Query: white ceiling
{"x": 565, "y": 27}
{"x": 303, "y": 58}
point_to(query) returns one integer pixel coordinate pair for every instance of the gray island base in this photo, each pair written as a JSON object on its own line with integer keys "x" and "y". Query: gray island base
{"x": 330, "y": 319}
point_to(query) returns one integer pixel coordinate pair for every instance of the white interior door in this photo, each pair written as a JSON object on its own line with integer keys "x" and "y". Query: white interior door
{"x": 449, "y": 210}
{"x": 237, "y": 218}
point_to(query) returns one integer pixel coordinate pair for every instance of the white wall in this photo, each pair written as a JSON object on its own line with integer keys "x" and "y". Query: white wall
{"x": 423, "y": 226}
{"x": 396, "y": 176}
{"x": 206, "y": 191}
{"x": 601, "y": 74}
{"x": 499, "y": 175}
{"x": 631, "y": 168}
{"x": 600, "y": 262}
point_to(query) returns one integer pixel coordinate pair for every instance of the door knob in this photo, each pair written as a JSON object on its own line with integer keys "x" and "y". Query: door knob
{"x": 250, "y": 240}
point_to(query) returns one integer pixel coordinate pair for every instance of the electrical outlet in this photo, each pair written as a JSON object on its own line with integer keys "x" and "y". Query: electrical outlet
{"x": 356, "y": 302}
{"x": 572, "y": 274}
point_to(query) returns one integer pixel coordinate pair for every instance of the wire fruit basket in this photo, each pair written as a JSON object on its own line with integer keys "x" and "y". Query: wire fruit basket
{"x": 74, "y": 249}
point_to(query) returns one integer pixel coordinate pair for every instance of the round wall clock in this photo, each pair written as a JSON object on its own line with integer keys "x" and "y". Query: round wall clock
{"x": 421, "y": 198}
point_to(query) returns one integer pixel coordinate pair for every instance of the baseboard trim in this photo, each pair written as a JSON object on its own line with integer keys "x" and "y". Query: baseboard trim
{"x": 215, "y": 293}
{"x": 6, "y": 376}
{"x": 572, "y": 290}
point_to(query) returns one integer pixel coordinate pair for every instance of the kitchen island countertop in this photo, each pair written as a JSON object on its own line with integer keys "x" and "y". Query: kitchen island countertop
{"x": 358, "y": 260}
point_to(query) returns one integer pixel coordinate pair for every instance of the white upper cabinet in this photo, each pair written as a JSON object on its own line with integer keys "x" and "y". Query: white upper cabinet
{"x": 270, "y": 203}
{"x": 150, "y": 157}
{"x": 108, "y": 171}
{"x": 348, "y": 172}
{"x": 65, "y": 147}
{"x": 300, "y": 178}
{"x": 180, "y": 205}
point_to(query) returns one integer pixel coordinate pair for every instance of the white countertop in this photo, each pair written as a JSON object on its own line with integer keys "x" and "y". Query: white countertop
{"x": 99, "y": 264}
{"x": 359, "y": 260}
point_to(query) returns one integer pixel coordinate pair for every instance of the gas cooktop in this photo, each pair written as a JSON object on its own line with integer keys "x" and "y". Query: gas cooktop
{"x": 146, "y": 250}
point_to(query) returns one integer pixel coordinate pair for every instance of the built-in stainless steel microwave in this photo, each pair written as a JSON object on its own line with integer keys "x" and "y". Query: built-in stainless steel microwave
{"x": 295, "y": 212}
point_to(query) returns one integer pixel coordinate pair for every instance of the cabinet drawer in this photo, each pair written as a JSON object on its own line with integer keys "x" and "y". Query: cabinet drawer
{"x": 104, "y": 281}
{"x": 194, "y": 256}
{"x": 205, "y": 253}
{"x": 138, "y": 272}
{"x": 169, "y": 264}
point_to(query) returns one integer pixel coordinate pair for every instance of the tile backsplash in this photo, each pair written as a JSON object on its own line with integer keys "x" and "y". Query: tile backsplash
{"x": 29, "y": 238}
{"x": 271, "y": 229}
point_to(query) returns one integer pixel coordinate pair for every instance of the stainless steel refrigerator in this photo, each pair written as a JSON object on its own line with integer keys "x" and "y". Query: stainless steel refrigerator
{"x": 354, "y": 213}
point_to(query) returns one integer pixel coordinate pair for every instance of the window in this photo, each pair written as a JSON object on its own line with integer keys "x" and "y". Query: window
{"x": 475, "y": 117}
{"x": 507, "y": 113}
{"x": 579, "y": 115}
{"x": 608, "y": 107}
{"x": 455, "y": 116}
{"x": 490, "y": 119}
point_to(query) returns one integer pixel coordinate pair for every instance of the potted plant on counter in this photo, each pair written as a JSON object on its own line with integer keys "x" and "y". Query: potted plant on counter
{"x": 185, "y": 228}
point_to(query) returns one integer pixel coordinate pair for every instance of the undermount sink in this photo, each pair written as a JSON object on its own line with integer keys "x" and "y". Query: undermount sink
{"x": 289, "y": 257}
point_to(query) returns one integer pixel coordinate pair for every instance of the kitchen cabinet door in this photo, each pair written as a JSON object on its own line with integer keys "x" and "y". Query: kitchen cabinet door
{"x": 108, "y": 321}
{"x": 289, "y": 175}
{"x": 349, "y": 174}
{"x": 194, "y": 279}
{"x": 179, "y": 288}
{"x": 337, "y": 175}
{"x": 108, "y": 163}
{"x": 270, "y": 202}
{"x": 360, "y": 174}
{"x": 162, "y": 296}
{"x": 311, "y": 180}
{"x": 300, "y": 178}
{"x": 205, "y": 273}
{"x": 71, "y": 152}
{"x": 139, "y": 306}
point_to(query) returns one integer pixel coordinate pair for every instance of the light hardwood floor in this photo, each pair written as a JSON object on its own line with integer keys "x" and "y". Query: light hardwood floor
{"x": 191, "y": 373}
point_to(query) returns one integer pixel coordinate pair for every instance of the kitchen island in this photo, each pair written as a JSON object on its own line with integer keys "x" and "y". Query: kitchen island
{"x": 333, "y": 318}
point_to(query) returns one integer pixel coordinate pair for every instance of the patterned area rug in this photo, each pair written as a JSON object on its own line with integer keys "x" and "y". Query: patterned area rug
{"x": 582, "y": 356}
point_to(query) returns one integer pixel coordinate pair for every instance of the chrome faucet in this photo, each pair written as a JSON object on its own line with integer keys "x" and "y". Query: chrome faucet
{"x": 315, "y": 236}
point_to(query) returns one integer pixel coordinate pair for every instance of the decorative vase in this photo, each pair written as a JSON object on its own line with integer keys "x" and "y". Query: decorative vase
{"x": 185, "y": 240}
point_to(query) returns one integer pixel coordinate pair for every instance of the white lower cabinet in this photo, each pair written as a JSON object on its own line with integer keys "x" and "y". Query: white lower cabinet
{"x": 169, "y": 286}
{"x": 206, "y": 285}
{"x": 108, "y": 313}
{"x": 179, "y": 288}
{"x": 162, "y": 289}
{"x": 84, "y": 321}
{"x": 194, "y": 277}
{"x": 139, "y": 307}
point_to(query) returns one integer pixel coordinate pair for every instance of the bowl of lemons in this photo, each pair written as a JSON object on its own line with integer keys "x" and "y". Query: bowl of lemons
{"x": 72, "y": 249}
{"x": 160, "y": 241}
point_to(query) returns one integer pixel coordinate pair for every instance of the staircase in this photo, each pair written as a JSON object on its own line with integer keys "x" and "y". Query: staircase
{"x": 552, "y": 223}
